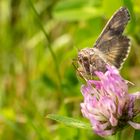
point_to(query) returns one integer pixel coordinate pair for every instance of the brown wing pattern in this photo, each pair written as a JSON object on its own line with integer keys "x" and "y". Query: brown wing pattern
{"x": 111, "y": 42}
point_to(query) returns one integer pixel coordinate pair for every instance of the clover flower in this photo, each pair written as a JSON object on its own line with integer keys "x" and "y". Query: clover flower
{"x": 107, "y": 103}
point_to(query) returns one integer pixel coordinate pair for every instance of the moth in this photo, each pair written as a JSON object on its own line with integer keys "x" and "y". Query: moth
{"x": 111, "y": 47}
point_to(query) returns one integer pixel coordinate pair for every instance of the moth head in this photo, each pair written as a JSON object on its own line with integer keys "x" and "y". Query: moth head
{"x": 84, "y": 55}
{"x": 82, "y": 59}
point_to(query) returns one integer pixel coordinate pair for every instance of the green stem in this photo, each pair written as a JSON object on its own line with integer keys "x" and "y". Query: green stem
{"x": 48, "y": 40}
{"x": 118, "y": 135}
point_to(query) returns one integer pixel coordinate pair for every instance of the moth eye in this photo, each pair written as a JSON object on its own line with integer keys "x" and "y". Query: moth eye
{"x": 80, "y": 59}
{"x": 85, "y": 58}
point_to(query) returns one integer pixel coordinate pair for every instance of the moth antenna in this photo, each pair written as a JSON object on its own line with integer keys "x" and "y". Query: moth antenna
{"x": 80, "y": 73}
{"x": 82, "y": 76}
{"x": 74, "y": 64}
{"x": 77, "y": 49}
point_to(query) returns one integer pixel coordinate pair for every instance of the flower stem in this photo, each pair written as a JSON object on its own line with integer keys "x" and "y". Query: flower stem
{"x": 118, "y": 135}
{"x": 48, "y": 40}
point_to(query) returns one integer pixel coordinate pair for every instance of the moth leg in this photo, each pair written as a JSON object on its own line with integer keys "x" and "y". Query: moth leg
{"x": 92, "y": 69}
{"x": 80, "y": 72}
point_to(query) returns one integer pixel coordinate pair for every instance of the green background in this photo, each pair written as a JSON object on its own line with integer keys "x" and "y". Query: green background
{"x": 38, "y": 40}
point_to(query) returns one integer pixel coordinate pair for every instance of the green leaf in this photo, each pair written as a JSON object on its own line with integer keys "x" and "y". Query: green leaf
{"x": 137, "y": 135}
{"x": 14, "y": 126}
{"x": 109, "y": 9}
{"x": 78, "y": 14}
{"x": 70, "y": 4}
{"x": 76, "y": 10}
{"x": 69, "y": 121}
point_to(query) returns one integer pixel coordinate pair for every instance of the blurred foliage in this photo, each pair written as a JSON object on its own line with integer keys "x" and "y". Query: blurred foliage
{"x": 38, "y": 40}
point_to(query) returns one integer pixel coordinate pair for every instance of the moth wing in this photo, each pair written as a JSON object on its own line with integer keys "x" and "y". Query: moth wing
{"x": 111, "y": 42}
